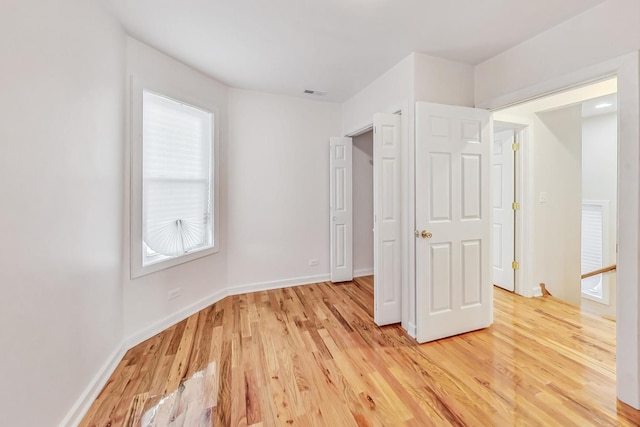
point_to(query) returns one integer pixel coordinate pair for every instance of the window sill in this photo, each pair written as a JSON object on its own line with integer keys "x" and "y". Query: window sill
{"x": 139, "y": 271}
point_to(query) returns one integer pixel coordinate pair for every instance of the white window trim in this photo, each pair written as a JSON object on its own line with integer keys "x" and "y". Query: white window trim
{"x": 138, "y": 86}
{"x": 606, "y": 259}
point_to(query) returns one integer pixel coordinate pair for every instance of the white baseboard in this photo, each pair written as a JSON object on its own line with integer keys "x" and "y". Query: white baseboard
{"x": 82, "y": 405}
{"x": 277, "y": 284}
{"x": 536, "y": 291}
{"x": 363, "y": 272}
{"x": 412, "y": 330}
{"x": 177, "y": 317}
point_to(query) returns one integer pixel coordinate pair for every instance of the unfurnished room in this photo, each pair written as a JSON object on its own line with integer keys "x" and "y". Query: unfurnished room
{"x": 319, "y": 213}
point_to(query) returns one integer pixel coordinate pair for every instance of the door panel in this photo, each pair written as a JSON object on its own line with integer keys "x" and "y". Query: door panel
{"x": 453, "y": 208}
{"x": 387, "y": 221}
{"x": 503, "y": 214}
{"x": 472, "y": 272}
{"x": 440, "y": 186}
{"x": 341, "y": 212}
{"x": 441, "y": 274}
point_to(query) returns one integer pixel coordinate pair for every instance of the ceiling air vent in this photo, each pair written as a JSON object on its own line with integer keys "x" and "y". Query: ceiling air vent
{"x": 314, "y": 92}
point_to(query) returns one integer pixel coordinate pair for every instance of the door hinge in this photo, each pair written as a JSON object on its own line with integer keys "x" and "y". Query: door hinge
{"x": 515, "y": 265}
{"x": 515, "y": 206}
{"x": 515, "y": 146}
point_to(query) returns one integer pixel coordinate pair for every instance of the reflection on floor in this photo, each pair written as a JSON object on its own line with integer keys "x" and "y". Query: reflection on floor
{"x": 311, "y": 356}
{"x": 190, "y": 405}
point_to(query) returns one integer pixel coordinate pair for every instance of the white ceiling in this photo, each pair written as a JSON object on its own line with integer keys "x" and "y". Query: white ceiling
{"x": 337, "y": 46}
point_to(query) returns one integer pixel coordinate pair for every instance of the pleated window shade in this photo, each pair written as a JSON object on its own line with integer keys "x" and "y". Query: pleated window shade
{"x": 176, "y": 178}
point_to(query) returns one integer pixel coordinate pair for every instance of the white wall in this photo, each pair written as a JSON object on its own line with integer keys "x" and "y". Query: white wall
{"x": 146, "y": 308}
{"x": 554, "y": 147}
{"x": 387, "y": 94}
{"x": 363, "y": 203}
{"x": 442, "y": 81}
{"x": 278, "y": 206}
{"x": 606, "y": 31}
{"x": 600, "y": 182}
{"x": 418, "y": 77}
{"x": 62, "y": 81}
{"x": 558, "y": 173}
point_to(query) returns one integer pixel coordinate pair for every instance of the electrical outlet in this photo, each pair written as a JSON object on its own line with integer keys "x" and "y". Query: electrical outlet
{"x": 173, "y": 294}
{"x": 313, "y": 262}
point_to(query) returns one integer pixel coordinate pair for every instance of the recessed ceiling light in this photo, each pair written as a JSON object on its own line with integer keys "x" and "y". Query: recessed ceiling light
{"x": 603, "y": 105}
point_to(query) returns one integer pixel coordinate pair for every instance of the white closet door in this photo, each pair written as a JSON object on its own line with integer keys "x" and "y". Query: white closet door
{"x": 503, "y": 227}
{"x": 453, "y": 220}
{"x": 387, "y": 219}
{"x": 341, "y": 210}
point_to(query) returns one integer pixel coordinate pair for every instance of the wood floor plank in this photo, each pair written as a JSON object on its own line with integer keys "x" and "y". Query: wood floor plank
{"x": 312, "y": 356}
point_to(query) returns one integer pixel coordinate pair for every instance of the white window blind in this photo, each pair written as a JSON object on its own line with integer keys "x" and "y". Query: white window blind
{"x": 177, "y": 202}
{"x": 592, "y": 248}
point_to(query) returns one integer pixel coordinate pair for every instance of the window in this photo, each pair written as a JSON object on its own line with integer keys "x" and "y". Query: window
{"x": 594, "y": 243}
{"x": 173, "y": 192}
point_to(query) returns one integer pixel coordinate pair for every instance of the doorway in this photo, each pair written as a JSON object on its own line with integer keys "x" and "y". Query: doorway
{"x": 378, "y": 171}
{"x": 504, "y": 197}
{"x": 570, "y": 195}
{"x": 362, "y": 161}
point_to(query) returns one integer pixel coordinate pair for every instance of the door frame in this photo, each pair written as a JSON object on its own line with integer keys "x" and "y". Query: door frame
{"x": 407, "y": 214}
{"x": 626, "y": 69}
{"x": 523, "y": 284}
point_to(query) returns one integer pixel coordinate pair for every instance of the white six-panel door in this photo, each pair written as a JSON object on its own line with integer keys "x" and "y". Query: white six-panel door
{"x": 341, "y": 209}
{"x": 503, "y": 227}
{"x": 387, "y": 253}
{"x": 453, "y": 209}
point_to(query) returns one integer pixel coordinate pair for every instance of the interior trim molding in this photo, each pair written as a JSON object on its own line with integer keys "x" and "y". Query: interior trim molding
{"x": 412, "y": 330}
{"x": 363, "y": 272}
{"x": 277, "y": 284}
{"x": 174, "y": 318}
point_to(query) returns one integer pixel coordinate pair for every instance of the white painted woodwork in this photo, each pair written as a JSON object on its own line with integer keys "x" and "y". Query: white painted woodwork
{"x": 341, "y": 209}
{"x": 503, "y": 226}
{"x": 387, "y": 219}
{"x": 453, "y": 200}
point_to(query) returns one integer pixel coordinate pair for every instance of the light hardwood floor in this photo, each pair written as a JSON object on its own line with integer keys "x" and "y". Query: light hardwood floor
{"x": 312, "y": 356}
